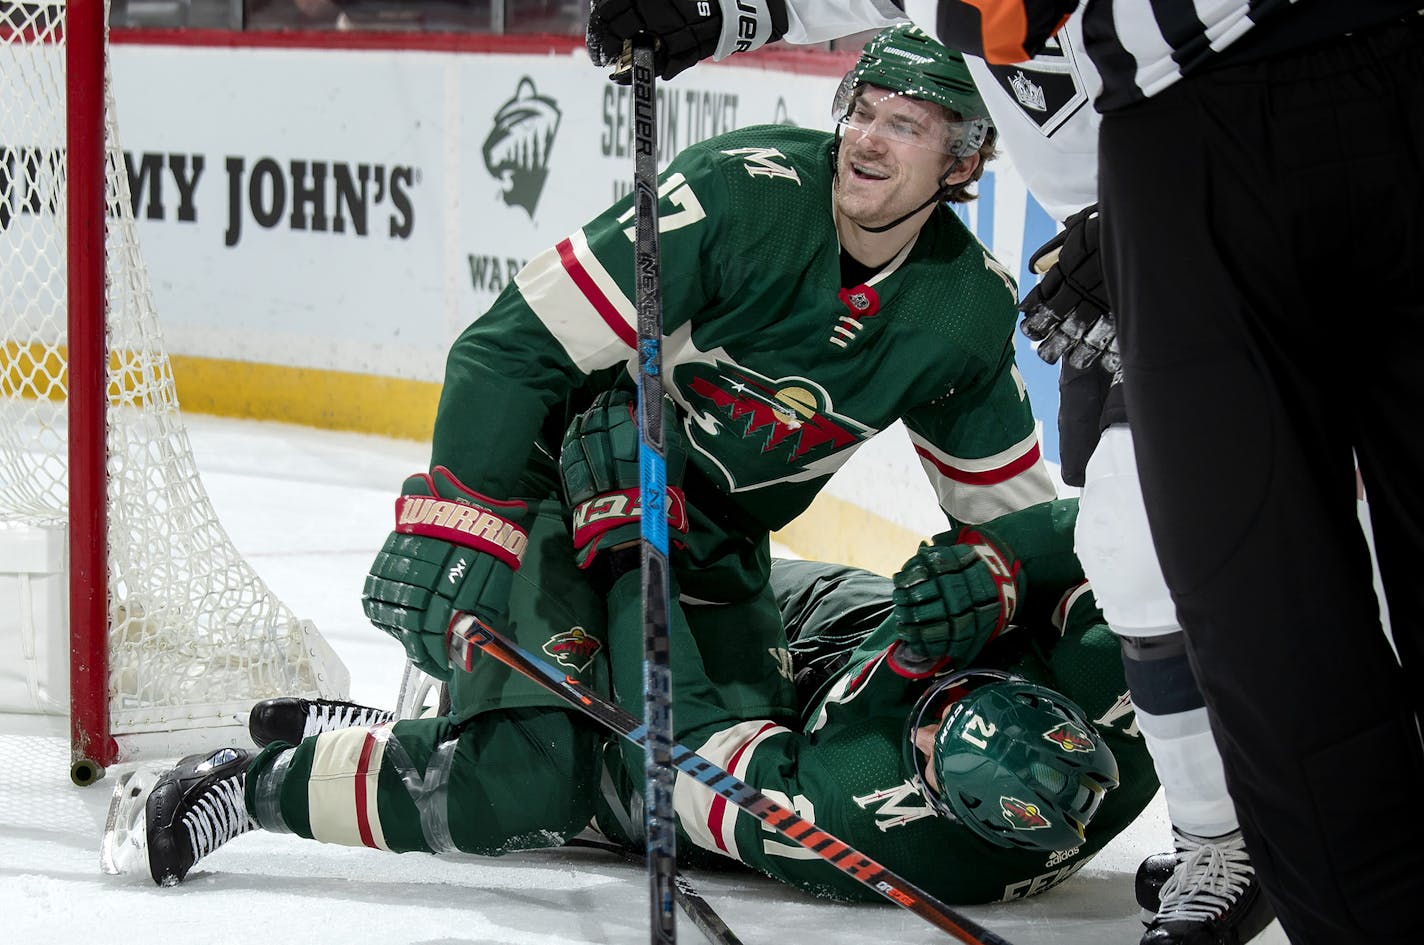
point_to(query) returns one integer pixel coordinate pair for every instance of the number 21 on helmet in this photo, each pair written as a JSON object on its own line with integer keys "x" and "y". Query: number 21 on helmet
{"x": 1015, "y": 762}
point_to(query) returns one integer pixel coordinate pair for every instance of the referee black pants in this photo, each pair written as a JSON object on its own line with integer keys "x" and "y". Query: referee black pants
{"x": 1264, "y": 236}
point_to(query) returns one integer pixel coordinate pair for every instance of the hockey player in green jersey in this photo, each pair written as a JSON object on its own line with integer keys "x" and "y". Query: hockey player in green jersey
{"x": 994, "y": 783}
{"x": 975, "y": 787}
{"x": 1024, "y": 767}
{"x": 816, "y": 289}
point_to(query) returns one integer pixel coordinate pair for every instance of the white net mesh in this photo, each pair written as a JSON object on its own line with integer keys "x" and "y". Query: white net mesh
{"x": 195, "y": 636}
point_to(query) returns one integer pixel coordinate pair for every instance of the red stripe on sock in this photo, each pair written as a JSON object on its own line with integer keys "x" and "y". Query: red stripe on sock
{"x": 363, "y": 765}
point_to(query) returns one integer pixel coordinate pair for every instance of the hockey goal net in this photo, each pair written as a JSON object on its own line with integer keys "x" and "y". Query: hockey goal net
{"x": 171, "y": 636}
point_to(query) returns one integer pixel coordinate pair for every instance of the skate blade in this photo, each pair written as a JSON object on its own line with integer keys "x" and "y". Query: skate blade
{"x": 124, "y": 849}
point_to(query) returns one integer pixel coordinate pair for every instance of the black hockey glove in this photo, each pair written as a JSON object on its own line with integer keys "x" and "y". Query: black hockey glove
{"x": 687, "y": 31}
{"x": 1068, "y": 312}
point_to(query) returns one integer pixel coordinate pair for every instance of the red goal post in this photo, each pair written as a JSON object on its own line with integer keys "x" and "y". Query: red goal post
{"x": 170, "y": 634}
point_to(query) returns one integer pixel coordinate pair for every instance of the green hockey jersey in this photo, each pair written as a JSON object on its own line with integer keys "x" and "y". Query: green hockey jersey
{"x": 846, "y": 767}
{"x": 780, "y": 372}
{"x": 848, "y": 772}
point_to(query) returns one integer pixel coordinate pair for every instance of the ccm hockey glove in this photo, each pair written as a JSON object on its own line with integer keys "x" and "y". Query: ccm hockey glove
{"x": 687, "y": 31}
{"x": 1068, "y": 312}
{"x": 453, "y": 550}
{"x": 599, "y": 466}
{"x": 951, "y": 598}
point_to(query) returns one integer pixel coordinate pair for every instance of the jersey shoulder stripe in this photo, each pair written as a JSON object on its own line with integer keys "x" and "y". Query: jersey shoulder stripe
{"x": 972, "y": 491}
{"x": 580, "y": 303}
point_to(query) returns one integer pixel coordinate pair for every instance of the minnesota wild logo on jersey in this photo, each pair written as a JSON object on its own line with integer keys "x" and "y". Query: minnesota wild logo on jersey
{"x": 573, "y": 649}
{"x": 786, "y": 426}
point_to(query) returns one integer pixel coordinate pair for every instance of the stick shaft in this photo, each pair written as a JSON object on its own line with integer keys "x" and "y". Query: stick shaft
{"x": 652, "y": 473}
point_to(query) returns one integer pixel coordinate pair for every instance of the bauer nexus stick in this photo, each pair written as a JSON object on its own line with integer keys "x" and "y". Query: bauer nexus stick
{"x": 468, "y": 633}
{"x": 652, "y": 476}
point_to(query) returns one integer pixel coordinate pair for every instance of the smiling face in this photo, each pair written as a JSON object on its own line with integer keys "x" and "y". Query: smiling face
{"x": 892, "y": 156}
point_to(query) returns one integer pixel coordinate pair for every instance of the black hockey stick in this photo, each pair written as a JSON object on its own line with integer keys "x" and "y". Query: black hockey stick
{"x": 699, "y": 910}
{"x": 468, "y": 634}
{"x": 652, "y": 475}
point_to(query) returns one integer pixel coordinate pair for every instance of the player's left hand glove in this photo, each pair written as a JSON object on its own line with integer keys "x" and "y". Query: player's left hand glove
{"x": 1068, "y": 312}
{"x": 599, "y": 465}
{"x": 687, "y": 31}
{"x": 951, "y": 598}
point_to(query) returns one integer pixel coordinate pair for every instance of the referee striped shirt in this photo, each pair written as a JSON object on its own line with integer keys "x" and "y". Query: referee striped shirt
{"x": 1141, "y": 47}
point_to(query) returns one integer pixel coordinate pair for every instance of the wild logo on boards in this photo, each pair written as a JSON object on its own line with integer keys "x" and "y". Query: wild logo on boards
{"x": 516, "y": 151}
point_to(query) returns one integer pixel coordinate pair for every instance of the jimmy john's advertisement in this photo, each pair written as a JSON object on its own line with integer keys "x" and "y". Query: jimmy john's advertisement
{"x": 355, "y": 209}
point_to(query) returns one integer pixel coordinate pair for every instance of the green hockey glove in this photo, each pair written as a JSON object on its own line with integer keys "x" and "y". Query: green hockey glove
{"x": 453, "y": 550}
{"x": 599, "y": 466}
{"x": 951, "y": 598}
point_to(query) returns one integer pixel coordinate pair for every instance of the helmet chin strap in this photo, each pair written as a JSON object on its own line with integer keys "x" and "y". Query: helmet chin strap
{"x": 942, "y": 192}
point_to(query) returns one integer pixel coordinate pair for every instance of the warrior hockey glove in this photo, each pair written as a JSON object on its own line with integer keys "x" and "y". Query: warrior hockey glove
{"x": 951, "y": 598}
{"x": 687, "y": 31}
{"x": 453, "y": 550}
{"x": 599, "y": 465}
{"x": 1068, "y": 312}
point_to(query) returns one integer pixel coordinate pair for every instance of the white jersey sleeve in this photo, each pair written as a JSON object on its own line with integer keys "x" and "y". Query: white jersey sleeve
{"x": 815, "y": 21}
{"x": 1044, "y": 112}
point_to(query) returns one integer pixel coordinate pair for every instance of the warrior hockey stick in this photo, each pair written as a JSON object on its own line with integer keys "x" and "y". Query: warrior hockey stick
{"x": 468, "y": 634}
{"x": 699, "y": 910}
{"x": 652, "y": 475}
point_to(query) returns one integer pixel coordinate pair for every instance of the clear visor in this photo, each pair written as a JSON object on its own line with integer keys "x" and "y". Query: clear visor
{"x": 902, "y": 118}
